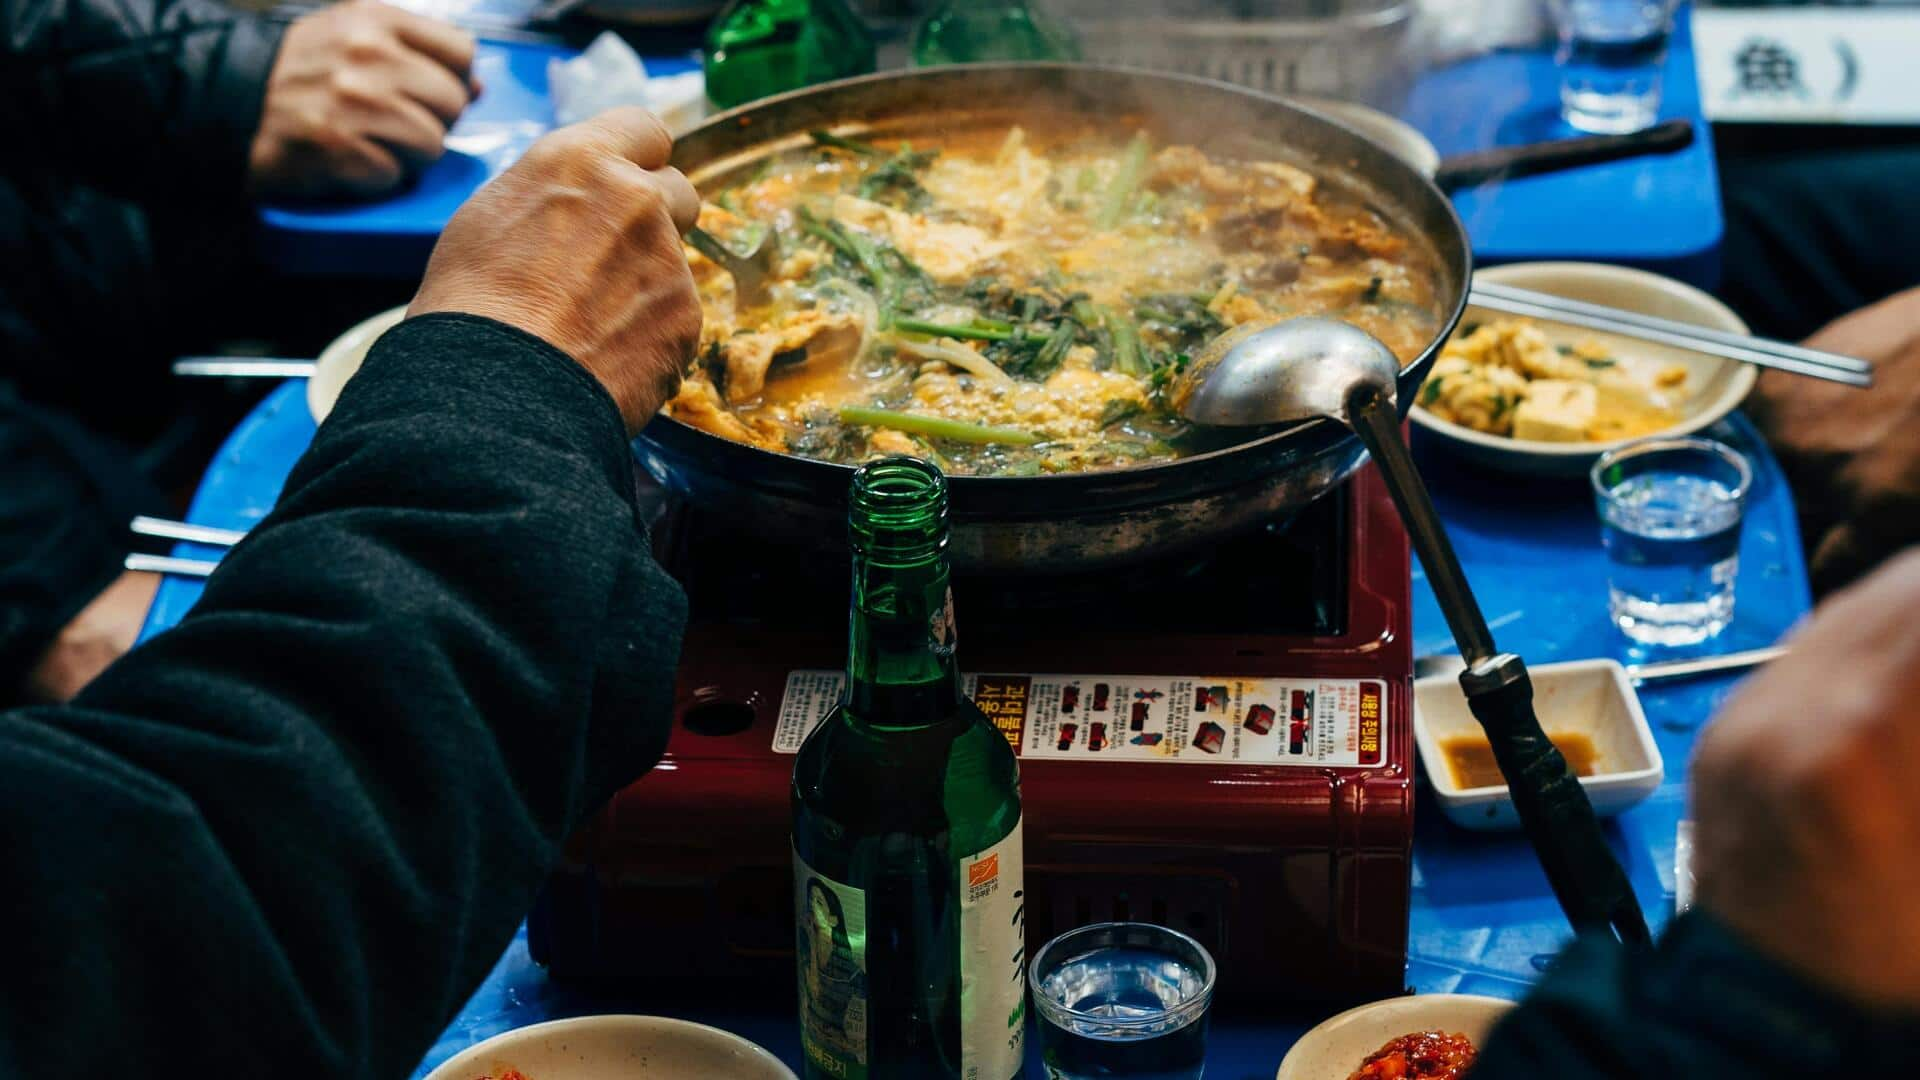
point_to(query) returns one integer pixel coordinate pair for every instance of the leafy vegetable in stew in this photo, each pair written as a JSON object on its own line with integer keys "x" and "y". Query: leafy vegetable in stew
{"x": 1016, "y": 303}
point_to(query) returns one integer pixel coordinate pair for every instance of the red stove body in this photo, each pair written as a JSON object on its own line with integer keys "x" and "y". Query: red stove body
{"x": 1224, "y": 747}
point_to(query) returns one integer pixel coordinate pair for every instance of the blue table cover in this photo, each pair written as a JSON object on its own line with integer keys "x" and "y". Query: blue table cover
{"x": 393, "y": 237}
{"x": 1660, "y": 212}
{"x": 1483, "y": 920}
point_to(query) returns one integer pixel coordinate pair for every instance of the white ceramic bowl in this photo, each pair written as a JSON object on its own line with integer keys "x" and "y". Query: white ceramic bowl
{"x": 342, "y": 357}
{"x": 616, "y": 1048}
{"x": 1713, "y": 388}
{"x": 1336, "y": 1048}
{"x": 1589, "y": 697}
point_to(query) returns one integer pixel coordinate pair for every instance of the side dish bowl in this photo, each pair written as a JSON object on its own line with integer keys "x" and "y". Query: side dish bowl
{"x": 1334, "y": 1049}
{"x": 614, "y": 1047}
{"x": 1713, "y": 388}
{"x": 342, "y": 357}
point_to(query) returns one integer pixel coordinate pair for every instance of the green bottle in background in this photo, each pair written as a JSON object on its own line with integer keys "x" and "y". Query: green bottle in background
{"x": 756, "y": 48}
{"x": 970, "y": 31}
{"x": 908, "y": 883}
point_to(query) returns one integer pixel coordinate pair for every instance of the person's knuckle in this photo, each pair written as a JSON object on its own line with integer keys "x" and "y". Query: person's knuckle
{"x": 334, "y": 137}
{"x": 646, "y": 202}
{"x": 367, "y": 43}
{"x": 560, "y": 150}
{"x": 349, "y": 87}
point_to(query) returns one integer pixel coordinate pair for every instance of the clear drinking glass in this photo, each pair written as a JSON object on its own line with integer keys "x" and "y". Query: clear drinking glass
{"x": 1123, "y": 1000}
{"x": 1610, "y": 56}
{"x": 1670, "y": 519}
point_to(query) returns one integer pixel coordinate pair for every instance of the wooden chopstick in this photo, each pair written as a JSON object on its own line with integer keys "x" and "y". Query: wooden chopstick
{"x": 1834, "y": 367}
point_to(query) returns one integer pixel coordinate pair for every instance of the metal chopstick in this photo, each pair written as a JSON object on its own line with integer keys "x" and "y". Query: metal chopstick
{"x": 1798, "y": 352}
{"x": 245, "y": 367}
{"x": 1834, "y": 367}
{"x": 168, "y": 564}
{"x": 184, "y": 530}
{"x": 1702, "y": 665}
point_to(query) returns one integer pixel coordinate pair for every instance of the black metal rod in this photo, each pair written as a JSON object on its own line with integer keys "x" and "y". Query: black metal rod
{"x": 1585, "y": 875}
{"x": 1370, "y": 412}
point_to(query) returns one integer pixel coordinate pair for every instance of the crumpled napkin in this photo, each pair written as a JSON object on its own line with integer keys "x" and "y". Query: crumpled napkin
{"x": 610, "y": 73}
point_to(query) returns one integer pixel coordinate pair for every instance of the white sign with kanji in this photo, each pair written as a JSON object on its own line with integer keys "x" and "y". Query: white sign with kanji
{"x": 1819, "y": 65}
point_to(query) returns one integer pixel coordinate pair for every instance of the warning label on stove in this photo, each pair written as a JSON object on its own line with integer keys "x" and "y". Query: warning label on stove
{"x": 1149, "y": 718}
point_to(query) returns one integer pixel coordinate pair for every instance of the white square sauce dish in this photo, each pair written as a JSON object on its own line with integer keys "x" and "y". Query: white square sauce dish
{"x": 1587, "y": 707}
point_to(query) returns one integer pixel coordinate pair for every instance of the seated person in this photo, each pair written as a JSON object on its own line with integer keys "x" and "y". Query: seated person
{"x": 1852, "y": 456}
{"x": 295, "y": 831}
{"x": 150, "y": 123}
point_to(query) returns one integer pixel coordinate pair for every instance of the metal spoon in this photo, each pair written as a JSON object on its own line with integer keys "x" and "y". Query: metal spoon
{"x": 1306, "y": 368}
{"x": 750, "y": 269}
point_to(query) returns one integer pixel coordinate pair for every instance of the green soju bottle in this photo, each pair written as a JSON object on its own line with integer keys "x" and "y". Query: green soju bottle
{"x": 908, "y": 884}
{"x": 756, "y": 48}
{"x": 970, "y": 31}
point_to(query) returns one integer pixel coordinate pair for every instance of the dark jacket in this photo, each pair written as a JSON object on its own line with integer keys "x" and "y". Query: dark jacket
{"x": 1701, "y": 1006}
{"x": 124, "y": 133}
{"x": 289, "y": 836}
{"x": 126, "y": 126}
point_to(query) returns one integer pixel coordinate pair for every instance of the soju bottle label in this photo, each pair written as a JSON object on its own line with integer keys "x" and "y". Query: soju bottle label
{"x": 832, "y": 943}
{"x": 993, "y": 961}
{"x": 942, "y": 631}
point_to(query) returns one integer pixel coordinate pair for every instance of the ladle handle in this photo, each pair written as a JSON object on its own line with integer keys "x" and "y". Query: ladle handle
{"x": 1583, "y": 871}
{"x": 1553, "y": 808}
{"x": 1372, "y": 416}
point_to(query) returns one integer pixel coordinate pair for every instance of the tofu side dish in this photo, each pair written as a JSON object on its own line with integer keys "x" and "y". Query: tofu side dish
{"x": 1015, "y": 301}
{"x": 1506, "y": 377}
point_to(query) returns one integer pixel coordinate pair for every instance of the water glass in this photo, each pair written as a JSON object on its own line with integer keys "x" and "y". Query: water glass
{"x": 1670, "y": 519}
{"x": 1123, "y": 1000}
{"x": 1610, "y": 56}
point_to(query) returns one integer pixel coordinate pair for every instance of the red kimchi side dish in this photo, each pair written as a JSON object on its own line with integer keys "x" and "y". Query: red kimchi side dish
{"x": 1423, "y": 1055}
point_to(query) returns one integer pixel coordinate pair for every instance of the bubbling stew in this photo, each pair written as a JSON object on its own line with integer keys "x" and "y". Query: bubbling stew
{"x": 1015, "y": 302}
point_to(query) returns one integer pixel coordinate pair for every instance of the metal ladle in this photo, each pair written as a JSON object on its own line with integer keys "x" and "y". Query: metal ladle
{"x": 751, "y": 270}
{"x": 1306, "y": 368}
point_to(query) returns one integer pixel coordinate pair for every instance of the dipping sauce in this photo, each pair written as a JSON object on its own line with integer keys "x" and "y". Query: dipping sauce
{"x": 1470, "y": 758}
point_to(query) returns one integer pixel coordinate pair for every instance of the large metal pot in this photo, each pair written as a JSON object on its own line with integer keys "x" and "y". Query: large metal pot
{"x": 1079, "y": 521}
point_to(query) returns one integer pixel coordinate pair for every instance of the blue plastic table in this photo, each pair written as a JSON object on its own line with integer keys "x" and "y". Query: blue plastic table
{"x": 394, "y": 236}
{"x": 1660, "y": 212}
{"x": 1483, "y": 920}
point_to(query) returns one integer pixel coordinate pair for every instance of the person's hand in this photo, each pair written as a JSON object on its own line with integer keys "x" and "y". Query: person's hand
{"x": 360, "y": 96}
{"x": 1806, "y": 796}
{"x": 103, "y": 631}
{"x": 579, "y": 245}
{"x": 1853, "y": 456}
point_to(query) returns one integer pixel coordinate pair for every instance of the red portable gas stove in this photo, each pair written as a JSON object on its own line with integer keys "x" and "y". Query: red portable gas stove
{"x": 1221, "y": 743}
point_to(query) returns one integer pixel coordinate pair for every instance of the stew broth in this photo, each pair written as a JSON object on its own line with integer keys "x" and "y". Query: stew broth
{"x": 1015, "y": 302}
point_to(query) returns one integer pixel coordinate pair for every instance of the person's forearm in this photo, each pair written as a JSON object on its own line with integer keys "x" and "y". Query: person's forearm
{"x": 296, "y": 830}
{"x": 1702, "y": 1006}
{"x": 65, "y": 501}
{"x": 138, "y": 97}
